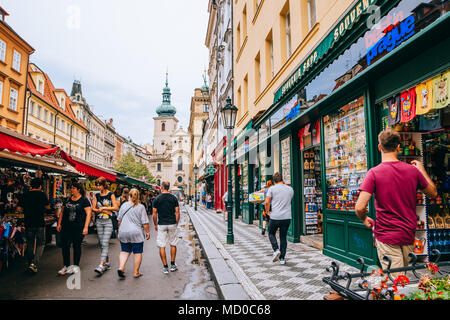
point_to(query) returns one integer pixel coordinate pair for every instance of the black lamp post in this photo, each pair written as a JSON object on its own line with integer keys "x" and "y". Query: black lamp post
{"x": 229, "y": 113}
{"x": 195, "y": 192}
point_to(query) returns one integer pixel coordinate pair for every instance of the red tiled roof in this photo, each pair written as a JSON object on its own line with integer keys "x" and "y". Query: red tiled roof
{"x": 50, "y": 98}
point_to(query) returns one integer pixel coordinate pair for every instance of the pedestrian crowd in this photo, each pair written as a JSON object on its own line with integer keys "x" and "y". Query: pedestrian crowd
{"x": 126, "y": 213}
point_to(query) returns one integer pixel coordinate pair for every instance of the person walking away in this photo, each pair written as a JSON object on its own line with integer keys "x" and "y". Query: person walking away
{"x": 103, "y": 206}
{"x": 166, "y": 215}
{"x": 34, "y": 204}
{"x": 394, "y": 185}
{"x": 208, "y": 201}
{"x": 133, "y": 222}
{"x": 278, "y": 208}
{"x": 265, "y": 215}
{"x": 73, "y": 224}
{"x": 123, "y": 197}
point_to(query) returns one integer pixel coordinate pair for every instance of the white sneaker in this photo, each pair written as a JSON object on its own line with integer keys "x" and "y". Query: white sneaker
{"x": 70, "y": 269}
{"x": 283, "y": 261}
{"x": 75, "y": 269}
{"x": 63, "y": 271}
{"x": 276, "y": 255}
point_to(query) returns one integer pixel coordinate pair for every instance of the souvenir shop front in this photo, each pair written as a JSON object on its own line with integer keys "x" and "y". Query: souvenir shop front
{"x": 327, "y": 115}
{"x": 220, "y": 175}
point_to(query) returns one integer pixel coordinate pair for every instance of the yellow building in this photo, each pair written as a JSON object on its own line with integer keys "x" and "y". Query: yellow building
{"x": 14, "y": 56}
{"x": 271, "y": 38}
{"x": 200, "y": 103}
{"x": 50, "y": 117}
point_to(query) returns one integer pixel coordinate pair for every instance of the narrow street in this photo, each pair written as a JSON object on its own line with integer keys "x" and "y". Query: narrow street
{"x": 191, "y": 282}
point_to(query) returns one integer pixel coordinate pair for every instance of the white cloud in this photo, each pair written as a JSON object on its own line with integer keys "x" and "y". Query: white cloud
{"x": 120, "y": 51}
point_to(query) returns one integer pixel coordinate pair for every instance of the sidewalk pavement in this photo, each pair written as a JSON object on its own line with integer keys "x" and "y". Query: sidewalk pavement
{"x": 245, "y": 269}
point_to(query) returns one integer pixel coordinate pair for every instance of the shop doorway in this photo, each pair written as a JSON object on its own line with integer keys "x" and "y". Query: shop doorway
{"x": 312, "y": 220}
{"x": 425, "y": 136}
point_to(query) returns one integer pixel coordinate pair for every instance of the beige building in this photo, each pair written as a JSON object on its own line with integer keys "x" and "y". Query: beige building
{"x": 50, "y": 117}
{"x": 198, "y": 116}
{"x": 271, "y": 39}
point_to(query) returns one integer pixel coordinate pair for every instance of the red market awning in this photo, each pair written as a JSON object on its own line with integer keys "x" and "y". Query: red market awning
{"x": 13, "y": 145}
{"x": 21, "y": 144}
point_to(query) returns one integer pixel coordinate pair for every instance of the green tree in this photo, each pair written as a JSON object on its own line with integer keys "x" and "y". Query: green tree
{"x": 133, "y": 168}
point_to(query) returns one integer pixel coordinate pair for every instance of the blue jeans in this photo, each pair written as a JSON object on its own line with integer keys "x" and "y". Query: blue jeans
{"x": 38, "y": 235}
{"x": 283, "y": 225}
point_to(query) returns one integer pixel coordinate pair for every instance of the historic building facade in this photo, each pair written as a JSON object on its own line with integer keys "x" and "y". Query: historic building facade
{"x": 170, "y": 158}
{"x": 50, "y": 116}
{"x": 198, "y": 116}
{"x": 14, "y": 59}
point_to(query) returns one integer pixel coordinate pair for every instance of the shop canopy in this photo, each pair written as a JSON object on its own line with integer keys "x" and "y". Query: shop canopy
{"x": 17, "y": 143}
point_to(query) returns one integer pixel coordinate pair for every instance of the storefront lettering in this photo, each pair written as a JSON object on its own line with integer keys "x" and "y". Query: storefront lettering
{"x": 345, "y": 24}
{"x": 395, "y": 35}
{"x": 373, "y": 36}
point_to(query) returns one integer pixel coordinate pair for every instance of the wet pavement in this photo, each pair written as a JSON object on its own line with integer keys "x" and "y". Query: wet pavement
{"x": 191, "y": 282}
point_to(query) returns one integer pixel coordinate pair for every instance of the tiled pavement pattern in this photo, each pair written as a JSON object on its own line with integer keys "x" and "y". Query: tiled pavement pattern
{"x": 299, "y": 279}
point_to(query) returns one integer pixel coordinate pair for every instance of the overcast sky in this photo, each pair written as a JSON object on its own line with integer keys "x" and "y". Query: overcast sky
{"x": 120, "y": 51}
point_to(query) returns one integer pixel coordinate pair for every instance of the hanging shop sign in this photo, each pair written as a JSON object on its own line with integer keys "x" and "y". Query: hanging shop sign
{"x": 331, "y": 39}
{"x": 394, "y": 36}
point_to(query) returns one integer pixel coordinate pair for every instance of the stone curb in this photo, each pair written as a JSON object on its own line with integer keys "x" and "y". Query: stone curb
{"x": 229, "y": 287}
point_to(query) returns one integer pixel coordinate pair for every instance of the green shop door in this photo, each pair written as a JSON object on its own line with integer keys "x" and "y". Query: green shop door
{"x": 346, "y": 156}
{"x": 247, "y": 187}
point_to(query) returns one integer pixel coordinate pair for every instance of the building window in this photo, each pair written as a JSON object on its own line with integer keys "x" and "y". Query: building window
{"x": 40, "y": 87}
{"x": 62, "y": 125}
{"x": 258, "y": 75}
{"x": 31, "y": 109}
{"x": 57, "y": 122}
{"x": 180, "y": 179}
{"x": 13, "y": 99}
{"x": 158, "y": 166}
{"x": 39, "y": 109}
{"x": 311, "y": 13}
{"x": 288, "y": 34}
{"x": 16, "y": 61}
{"x": 45, "y": 115}
{"x": 180, "y": 164}
{"x": 269, "y": 58}
{"x": 51, "y": 118}
{"x": 1, "y": 92}
{"x": 2, "y": 50}
{"x": 206, "y": 108}
{"x": 62, "y": 104}
{"x": 163, "y": 127}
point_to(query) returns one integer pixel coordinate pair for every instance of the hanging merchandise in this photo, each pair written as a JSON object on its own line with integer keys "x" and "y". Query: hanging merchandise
{"x": 424, "y": 97}
{"x": 394, "y": 110}
{"x": 408, "y": 105}
{"x": 430, "y": 121}
{"x": 441, "y": 88}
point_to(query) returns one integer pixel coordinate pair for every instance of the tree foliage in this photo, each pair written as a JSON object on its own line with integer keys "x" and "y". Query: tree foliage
{"x": 132, "y": 168}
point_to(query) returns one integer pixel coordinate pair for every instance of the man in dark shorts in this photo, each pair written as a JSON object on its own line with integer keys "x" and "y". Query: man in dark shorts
{"x": 34, "y": 205}
{"x": 166, "y": 215}
{"x": 394, "y": 184}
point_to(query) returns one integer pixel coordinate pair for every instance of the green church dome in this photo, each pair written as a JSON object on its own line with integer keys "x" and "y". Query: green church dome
{"x": 166, "y": 109}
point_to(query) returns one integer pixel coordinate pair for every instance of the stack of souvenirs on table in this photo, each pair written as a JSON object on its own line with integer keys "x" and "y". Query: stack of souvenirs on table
{"x": 13, "y": 184}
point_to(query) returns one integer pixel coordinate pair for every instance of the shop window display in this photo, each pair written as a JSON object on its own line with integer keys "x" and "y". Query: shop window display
{"x": 345, "y": 155}
{"x": 421, "y": 115}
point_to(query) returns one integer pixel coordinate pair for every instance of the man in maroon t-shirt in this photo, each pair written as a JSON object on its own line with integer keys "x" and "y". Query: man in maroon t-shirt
{"x": 394, "y": 184}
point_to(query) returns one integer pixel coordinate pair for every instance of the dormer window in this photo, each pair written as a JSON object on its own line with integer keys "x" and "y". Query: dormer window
{"x": 40, "y": 87}
{"x": 62, "y": 103}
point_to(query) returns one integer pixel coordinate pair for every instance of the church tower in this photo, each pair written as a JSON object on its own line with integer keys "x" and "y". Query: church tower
{"x": 165, "y": 123}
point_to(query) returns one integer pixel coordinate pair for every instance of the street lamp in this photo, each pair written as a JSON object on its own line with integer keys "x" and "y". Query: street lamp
{"x": 195, "y": 181}
{"x": 229, "y": 113}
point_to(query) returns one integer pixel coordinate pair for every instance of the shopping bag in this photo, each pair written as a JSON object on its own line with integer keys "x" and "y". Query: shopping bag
{"x": 256, "y": 197}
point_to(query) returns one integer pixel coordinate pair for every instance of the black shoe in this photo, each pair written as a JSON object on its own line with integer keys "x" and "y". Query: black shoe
{"x": 263, "y": 232}
{"x": 121, "y": 273}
